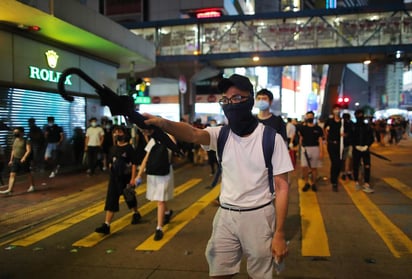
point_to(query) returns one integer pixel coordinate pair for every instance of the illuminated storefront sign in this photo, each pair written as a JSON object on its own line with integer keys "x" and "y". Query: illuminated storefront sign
{"x": 47, "y": 74}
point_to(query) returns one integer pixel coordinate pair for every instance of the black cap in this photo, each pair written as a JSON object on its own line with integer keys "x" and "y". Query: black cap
{"x": 238, "y": 81}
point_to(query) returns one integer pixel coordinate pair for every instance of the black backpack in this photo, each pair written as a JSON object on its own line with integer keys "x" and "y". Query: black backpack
{"x": 158, "y": 161}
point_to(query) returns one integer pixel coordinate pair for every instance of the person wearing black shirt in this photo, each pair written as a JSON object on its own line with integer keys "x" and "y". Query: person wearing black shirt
{"x": 362, "y": 140}
{"x": 54, "y": 136}
{"x": 335, "y": 147}
{"x": 264, "y": 99}
{"x": 122, "y": 164}
{"x": 311, "y": 142}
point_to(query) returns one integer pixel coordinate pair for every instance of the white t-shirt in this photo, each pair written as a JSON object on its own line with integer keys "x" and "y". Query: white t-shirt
{"x": 94, "y": 134}
{"x": 244, "y": 174}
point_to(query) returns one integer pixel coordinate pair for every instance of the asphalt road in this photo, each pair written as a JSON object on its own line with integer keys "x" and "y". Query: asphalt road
{"x": 348, "y": 234}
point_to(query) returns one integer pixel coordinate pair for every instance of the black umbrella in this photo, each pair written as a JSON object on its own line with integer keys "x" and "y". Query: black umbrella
{"x": 119, "y": 105}
{"x": 380, "y": 156}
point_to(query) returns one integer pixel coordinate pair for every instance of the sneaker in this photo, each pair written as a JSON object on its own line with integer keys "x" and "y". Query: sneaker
{"x": 136, "y": 218}
{"x": 168, "y": 217}
{"x": 343, "y": 176}
{"x": 367, "y": 188}
{"x": 52, "y": 174}
{"x": 57, "y": 169}
{"x": 335, "y": 187}
{"x": 31, "y": 189}
{"x": 314, "y": 188}
{"x": 158, "y": 235}
{"x": 6, "y": 192}
{"x": 357, "y": 186}
{"x": 306, "y": 187}
{"x": 350, "y": 176}
{"x": 104, "y": 229}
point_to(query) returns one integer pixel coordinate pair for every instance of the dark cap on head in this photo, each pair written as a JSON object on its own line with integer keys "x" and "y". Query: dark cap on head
{"x": 238, "y": 81}
{"x": 336, "y": 106}
{"x": 50, "y": 118}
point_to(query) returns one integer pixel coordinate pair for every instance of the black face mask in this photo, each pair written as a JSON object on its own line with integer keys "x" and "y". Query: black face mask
{"x": 310, "y": 120}
{"x": 241, "y": 120}
{"x": 120, "y": 138}
{"x": 17, "y": 135}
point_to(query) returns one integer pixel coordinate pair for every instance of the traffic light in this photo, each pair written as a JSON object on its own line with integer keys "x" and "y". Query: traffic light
{"x": 344, "y": 102}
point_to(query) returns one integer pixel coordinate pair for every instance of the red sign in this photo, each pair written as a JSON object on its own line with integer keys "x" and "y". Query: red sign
{"x": 155, "y": 100}
{"x": 211, "y": 99}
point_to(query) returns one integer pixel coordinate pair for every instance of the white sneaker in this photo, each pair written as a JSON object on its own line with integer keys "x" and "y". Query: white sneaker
{"x": 31, "y": 189}
{"x": 367, "y": 188}
{"x": 6, "y": 192}
{"x": 52, "y": 174}
{"x": 357, "y": 186}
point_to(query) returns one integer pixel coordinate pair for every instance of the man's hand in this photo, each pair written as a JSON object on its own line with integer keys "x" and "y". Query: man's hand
{"x": 154, "y": 120}
{"x": 279, "y": 247}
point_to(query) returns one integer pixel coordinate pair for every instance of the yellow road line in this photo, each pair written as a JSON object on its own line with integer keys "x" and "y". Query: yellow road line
{"x": 398, "y": 242}
{"x": 314, "y": 237}
{"x": 51, "y": 205}
{"x": 403, "y": 188}
{"x": 65, "y": 222}
{"x": 179, "y": 222}
{"x": 94, "y": 238}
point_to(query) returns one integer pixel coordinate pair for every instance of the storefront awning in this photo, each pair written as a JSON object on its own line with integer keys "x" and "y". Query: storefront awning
{"x": 80, "y": 28}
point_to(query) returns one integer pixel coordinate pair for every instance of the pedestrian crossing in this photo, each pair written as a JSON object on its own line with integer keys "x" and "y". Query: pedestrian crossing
{"x": 314, "y": 238}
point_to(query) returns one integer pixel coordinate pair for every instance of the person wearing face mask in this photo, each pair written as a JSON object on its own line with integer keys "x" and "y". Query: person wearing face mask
{"x": 311, "y": 142}
{"x": 333, "y": 133}
{"x": 122, "y": 165}
{"x": 93, "y": 144}
{"x": 160, "y": 180}
{"x": 263, "y": 102}
{"x": 20, "y": 160}
{"x": 107, "y": 142}
{"x": 250, "y": 220}
{"x": 54, "y": 136}
{"x": 362, "y": 140}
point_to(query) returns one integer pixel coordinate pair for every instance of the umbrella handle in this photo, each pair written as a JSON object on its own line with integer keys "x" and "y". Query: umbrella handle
{"x": 119, "y": 105}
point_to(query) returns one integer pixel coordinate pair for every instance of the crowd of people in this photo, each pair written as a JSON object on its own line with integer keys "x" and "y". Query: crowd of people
{"x": 251, "y": 216}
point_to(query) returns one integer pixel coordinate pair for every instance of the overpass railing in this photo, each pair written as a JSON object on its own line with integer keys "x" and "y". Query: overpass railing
{"x": 315, "y": 29}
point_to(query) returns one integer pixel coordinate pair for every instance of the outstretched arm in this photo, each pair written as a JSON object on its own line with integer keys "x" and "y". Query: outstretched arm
{"x": 180, "y": 130}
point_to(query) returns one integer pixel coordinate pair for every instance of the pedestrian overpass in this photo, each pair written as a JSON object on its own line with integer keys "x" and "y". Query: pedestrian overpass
{"x": 335, "y": 37}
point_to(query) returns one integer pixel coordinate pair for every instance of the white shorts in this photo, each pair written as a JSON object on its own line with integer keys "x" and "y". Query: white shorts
{"x": 160, "y": 187}
{"x": 237, "y": 234}
{"x": 313, "y": 154}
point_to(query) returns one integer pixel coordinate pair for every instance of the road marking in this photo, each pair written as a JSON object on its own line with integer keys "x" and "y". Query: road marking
{"x": 179, "y": 222}
{"x": 66, "y": 222}
{"x": 398, "y": 185}
{"x": 94, "y": 238}
{"x": 314, "y": 237}
{"x": 398, "y": 243}
{"x": 52, "y": 205}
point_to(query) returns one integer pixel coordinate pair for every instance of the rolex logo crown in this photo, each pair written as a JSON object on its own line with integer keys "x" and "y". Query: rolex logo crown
{"x": 52, "y": 58}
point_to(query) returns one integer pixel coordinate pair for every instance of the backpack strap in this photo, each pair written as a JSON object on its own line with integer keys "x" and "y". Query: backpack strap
{"x": 221, "y": 141}
{"x": 268, "y": 144}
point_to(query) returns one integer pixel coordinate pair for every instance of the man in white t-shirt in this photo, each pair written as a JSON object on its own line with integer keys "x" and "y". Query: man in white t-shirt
{"x": 93, "y": 144}
{"x": 246, "y": 224}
